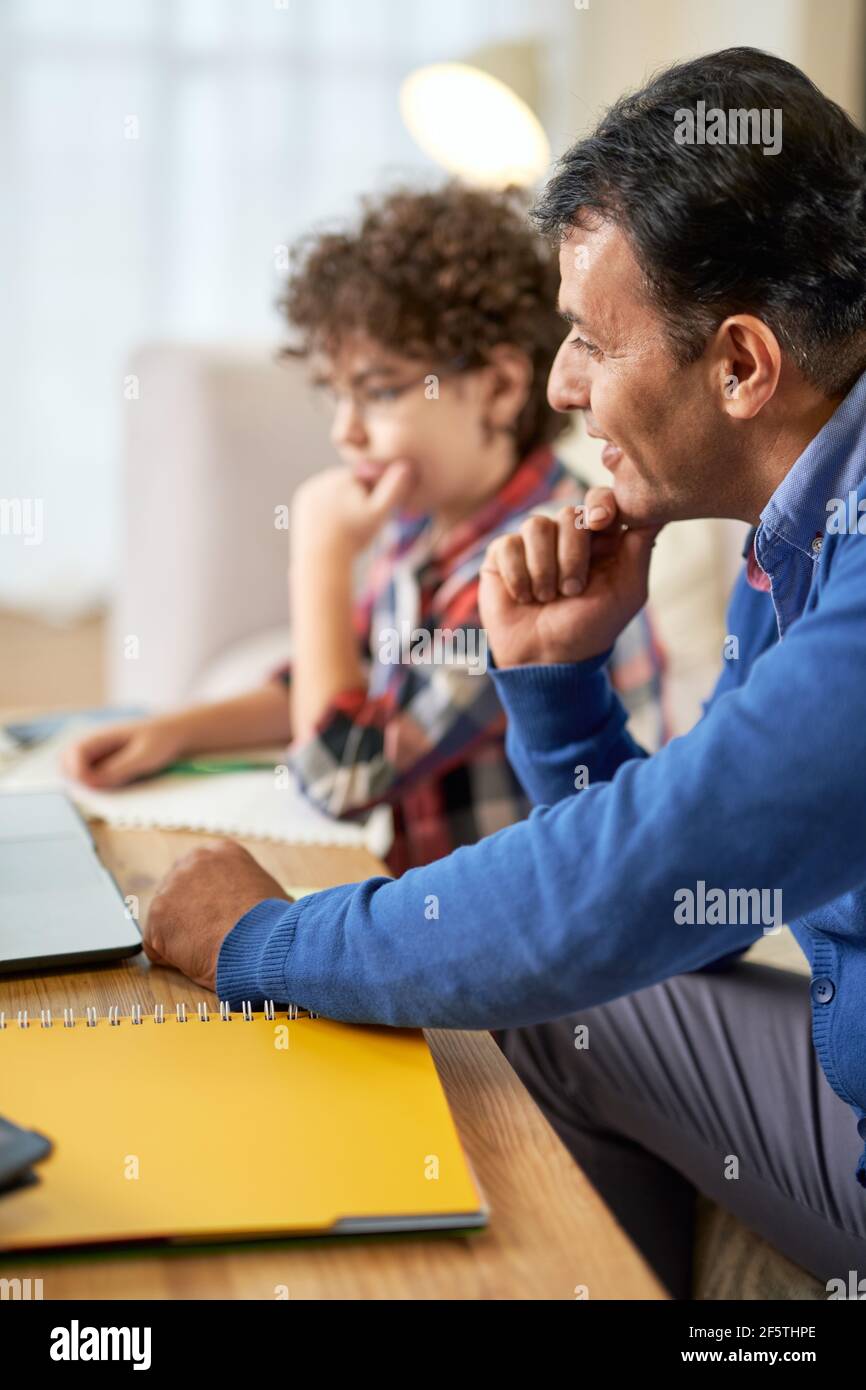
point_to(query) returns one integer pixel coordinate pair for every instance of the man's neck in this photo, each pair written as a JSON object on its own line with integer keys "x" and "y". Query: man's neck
{"x": 779, "y": 454}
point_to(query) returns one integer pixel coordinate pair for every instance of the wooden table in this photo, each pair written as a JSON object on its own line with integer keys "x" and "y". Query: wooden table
{"x": 549, "y": 1230}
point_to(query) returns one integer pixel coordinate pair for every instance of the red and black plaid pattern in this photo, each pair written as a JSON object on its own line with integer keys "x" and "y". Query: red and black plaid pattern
{"x": 430, "y": 739}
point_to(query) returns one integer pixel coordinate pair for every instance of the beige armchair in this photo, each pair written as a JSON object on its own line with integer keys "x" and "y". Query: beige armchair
{"x": 216, "y": 441}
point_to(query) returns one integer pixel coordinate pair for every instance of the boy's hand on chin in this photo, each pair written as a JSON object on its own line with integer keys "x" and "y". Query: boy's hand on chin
{"x": 335, "y": 508}
{"x": 558, "y": 591}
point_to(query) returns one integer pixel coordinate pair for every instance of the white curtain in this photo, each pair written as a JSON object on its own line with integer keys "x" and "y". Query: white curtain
{"x": 153, "y": 153}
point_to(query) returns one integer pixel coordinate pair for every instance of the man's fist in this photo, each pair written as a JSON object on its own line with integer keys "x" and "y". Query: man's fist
{"x": 198, "y": 902}
{"x": 563, "y": 590}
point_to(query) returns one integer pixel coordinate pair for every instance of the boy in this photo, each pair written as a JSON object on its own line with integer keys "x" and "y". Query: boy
{"x": 432, "y": 326}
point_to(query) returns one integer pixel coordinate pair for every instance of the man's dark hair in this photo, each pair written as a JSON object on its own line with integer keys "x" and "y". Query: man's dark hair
{"x": 725, "y": 228}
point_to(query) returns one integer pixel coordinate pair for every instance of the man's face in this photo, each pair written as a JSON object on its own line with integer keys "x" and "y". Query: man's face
{"x": 669, "y": 440}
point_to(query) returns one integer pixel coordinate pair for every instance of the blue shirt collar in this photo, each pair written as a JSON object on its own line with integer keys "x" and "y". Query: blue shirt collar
{"x": 831, "y": 465}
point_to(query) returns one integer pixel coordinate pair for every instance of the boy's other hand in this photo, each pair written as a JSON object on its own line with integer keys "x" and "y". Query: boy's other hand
{"x": 198, "y": 902}
{"x": 114, "y": 756}
{"x": 339, "y": 509}
{"x": 563, "y": 590}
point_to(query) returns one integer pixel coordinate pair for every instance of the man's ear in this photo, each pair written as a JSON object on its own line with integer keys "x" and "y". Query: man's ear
{"x": 747, "y": 365}
{"x": 508, "y": 383}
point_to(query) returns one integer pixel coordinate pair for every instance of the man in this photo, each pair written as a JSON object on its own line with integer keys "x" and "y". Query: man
{"x": 716, "y": 293}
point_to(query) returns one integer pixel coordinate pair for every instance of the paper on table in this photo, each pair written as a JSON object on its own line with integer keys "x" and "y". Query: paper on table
{"x": 250, "y": 805}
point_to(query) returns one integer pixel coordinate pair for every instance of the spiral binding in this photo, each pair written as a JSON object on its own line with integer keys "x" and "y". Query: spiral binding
{"x": 114, "y": 1017}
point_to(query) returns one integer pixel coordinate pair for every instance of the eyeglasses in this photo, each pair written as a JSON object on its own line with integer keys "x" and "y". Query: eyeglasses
{"x": 375, "y": 402}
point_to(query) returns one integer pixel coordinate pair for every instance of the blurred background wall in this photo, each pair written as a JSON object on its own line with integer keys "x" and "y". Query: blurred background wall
{"x": 156, "y": 155}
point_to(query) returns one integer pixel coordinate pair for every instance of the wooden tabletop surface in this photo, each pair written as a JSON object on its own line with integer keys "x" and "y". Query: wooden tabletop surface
{"x": 550, "y": 1235}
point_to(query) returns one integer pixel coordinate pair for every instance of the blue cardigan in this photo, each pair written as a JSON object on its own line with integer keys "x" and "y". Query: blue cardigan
{"x": 656, "y": 867}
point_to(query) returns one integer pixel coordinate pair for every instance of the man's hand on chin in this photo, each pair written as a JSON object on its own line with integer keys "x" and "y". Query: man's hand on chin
{"x": 563, "y": 590}
{"x": 198, "y": 902}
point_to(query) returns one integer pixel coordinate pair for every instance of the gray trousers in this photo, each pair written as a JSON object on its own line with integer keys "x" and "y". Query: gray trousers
{"x": 707, "y": 1082}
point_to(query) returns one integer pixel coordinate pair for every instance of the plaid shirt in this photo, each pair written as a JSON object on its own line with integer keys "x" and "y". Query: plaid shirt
{"x": 430, "y": 738}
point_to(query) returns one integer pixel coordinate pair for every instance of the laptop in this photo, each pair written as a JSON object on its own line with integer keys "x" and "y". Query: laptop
{"x": 58, "y": 904}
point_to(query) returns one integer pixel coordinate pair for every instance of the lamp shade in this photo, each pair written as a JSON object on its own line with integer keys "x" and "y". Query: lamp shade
{"x": 474, "y": 124}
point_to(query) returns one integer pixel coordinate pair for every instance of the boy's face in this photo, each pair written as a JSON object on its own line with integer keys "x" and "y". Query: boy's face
{"x": 388, "y": 409}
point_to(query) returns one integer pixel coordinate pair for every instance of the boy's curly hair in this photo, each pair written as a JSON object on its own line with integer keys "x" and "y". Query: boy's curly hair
{"x": 441, "y": 276}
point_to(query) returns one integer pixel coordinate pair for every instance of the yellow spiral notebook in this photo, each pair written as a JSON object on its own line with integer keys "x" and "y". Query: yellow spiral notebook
{"x": 226, "y": 1126}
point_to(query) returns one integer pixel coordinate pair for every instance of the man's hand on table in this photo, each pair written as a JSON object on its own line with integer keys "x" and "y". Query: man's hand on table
{"x": 198, "y": 902}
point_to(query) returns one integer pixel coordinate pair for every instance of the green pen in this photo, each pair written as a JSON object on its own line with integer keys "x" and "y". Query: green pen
{"x": 200, "y": 766}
